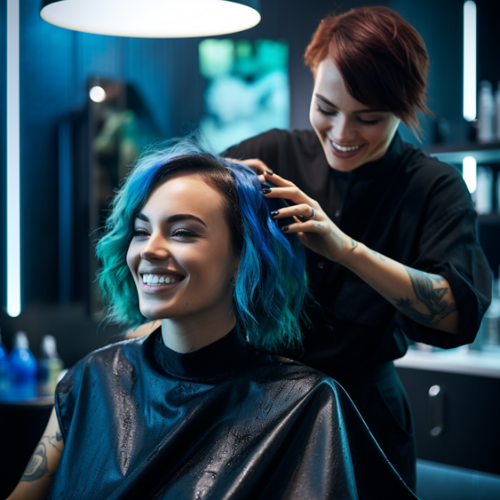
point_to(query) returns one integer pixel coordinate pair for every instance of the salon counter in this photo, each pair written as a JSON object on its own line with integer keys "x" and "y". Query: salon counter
{"x": 462, "y": 360}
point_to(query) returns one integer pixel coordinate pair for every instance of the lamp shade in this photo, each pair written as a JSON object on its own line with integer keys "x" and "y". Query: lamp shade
{"x": 152, "y": 18}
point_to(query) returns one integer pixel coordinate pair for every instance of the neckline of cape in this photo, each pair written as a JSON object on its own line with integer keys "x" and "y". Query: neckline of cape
{"x": 213, "y": 361}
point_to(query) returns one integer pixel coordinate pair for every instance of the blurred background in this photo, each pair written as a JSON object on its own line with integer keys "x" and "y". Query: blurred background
{"x": 90, "y": 103}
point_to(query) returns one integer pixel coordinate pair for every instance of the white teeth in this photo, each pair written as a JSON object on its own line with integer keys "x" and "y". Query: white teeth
{"x": 154, "y": 280}
{"x": 344, "y": 148}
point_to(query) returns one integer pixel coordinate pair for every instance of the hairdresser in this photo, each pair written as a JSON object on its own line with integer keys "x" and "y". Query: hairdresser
{"x": 391, "y": 235}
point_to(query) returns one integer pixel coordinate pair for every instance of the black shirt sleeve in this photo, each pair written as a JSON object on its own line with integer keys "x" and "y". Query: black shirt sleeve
{"x": 449, "y": 247}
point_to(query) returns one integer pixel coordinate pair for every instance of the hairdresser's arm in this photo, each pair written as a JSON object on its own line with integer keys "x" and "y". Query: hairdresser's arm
{"x": 37, "y": 478}
{"x": 423, "y": 297}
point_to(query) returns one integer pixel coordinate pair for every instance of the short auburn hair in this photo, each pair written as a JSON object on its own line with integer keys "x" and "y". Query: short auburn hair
{"x": 382, "y": 58}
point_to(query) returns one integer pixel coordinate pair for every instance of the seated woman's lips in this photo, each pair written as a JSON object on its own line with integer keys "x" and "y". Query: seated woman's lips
{"x": 160, "y": 280}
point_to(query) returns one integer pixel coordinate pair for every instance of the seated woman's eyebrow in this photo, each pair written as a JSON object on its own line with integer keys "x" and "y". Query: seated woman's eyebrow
{"x": 173, "y": 218}
{"x": 179, "y": 217}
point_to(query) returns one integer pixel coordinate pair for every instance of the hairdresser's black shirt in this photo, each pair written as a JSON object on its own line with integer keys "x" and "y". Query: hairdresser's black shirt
{"x": 140, "y": 421}
{"x": 407, "y": 206}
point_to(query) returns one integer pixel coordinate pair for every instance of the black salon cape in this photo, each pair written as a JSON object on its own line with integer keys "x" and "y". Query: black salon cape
{"x": 140, "y": 421}
{"x": 407, "y": 206}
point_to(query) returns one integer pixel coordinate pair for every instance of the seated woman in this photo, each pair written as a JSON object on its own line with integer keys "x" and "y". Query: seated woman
{"x": 201, "y": 408}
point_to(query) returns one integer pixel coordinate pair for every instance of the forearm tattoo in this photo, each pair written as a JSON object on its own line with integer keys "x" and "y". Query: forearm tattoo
{"x": 430, "y": 297}
{"x": 381, "y": 257}
{"x": 37, "y": 466}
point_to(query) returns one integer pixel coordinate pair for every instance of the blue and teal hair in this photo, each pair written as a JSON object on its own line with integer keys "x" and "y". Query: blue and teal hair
{"x": 271, "y": 284}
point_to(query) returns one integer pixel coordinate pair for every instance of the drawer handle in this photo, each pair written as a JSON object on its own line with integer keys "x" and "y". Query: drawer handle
{"x": 436, "y": 406}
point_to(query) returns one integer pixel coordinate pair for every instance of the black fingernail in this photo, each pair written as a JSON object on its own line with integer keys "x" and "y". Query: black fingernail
{"x": 263, "y": 185}
{"x": 275, "y": 213}
{"x": 269, "y": 173}
{"x": 266, "y": 191}
{"x": 284, "y": 229}
{"x": 301, "y": 217}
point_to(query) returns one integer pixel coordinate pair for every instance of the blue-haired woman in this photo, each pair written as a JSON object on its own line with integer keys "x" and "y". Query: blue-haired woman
{"x": 201, "y": 408}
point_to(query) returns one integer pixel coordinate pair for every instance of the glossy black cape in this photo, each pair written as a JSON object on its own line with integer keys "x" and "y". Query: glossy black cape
{"x": 226, "y": 422}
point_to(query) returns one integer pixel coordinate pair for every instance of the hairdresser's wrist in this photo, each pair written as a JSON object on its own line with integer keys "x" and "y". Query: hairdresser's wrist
{"x": 348, "y": 253}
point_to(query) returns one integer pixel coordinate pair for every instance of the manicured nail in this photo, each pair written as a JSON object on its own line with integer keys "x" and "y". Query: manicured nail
{"x": 269, "y": 173}
{"x": 275, "y": 213}
{"x": 263, "y": 185}
{"x": 284, "y": 229}
{"x": 266, "y": 191}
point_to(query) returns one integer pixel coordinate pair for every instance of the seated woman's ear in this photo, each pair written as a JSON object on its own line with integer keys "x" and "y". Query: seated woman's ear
{"x": 144, "y": 329}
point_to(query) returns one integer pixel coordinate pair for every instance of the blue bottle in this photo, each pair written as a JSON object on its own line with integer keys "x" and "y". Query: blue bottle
{"x": 23, "y": 368}
{"x": 4, "y": 368}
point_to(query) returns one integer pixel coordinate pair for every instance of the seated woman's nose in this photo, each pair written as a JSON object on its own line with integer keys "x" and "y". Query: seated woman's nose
{"x": 156, "y": 248}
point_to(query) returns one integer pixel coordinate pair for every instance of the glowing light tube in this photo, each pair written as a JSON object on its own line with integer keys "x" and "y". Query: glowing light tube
{"x": 470, "y": 60}
{"x": 469, "y": 172}
{"x": 13, "y": 163}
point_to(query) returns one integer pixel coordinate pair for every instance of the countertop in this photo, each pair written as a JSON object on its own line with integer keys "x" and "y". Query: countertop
{"x": 461, "y": 360}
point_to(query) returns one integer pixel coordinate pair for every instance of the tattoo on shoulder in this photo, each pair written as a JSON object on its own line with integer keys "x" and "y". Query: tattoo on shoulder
{"x": 37, "y": 466}
{"x": 430, "y": 297}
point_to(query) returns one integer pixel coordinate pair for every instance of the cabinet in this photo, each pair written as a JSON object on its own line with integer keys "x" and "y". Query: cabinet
{"x": 455, "y": 399}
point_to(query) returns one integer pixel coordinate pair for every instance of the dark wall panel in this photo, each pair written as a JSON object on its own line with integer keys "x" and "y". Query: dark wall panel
{"x": 46, "y": 94}
{"x": 440, "y": 25}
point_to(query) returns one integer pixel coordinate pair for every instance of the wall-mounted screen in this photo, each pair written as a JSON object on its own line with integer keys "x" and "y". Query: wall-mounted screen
{"x": 247, "y": 89}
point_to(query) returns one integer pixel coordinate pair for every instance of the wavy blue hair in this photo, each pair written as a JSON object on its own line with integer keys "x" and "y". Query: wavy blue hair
{"x": 271, "y": 284}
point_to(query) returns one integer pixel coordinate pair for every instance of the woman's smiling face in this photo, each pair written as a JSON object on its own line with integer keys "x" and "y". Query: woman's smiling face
{"x": 351, "y": 133}
{"x": 181, "y": 255}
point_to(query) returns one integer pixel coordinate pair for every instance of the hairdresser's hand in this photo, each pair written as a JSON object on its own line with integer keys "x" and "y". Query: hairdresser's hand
{"x": 318, "y": 233}
{"x": 315, "y": 229}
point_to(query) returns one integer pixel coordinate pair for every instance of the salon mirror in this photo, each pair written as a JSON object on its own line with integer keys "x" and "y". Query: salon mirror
{"x": 97, "y": 146}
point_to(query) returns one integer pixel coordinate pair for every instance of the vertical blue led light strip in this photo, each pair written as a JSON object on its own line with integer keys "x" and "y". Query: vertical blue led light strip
{"x": 470, "y": 60}
{"x": 13, "y": 163}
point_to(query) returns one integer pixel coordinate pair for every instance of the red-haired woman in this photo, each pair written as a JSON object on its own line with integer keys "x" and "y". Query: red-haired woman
{"x": 391, "y": 233}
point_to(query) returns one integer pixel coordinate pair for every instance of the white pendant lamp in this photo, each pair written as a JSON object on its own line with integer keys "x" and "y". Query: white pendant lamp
{"x": 152, "y": 18}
